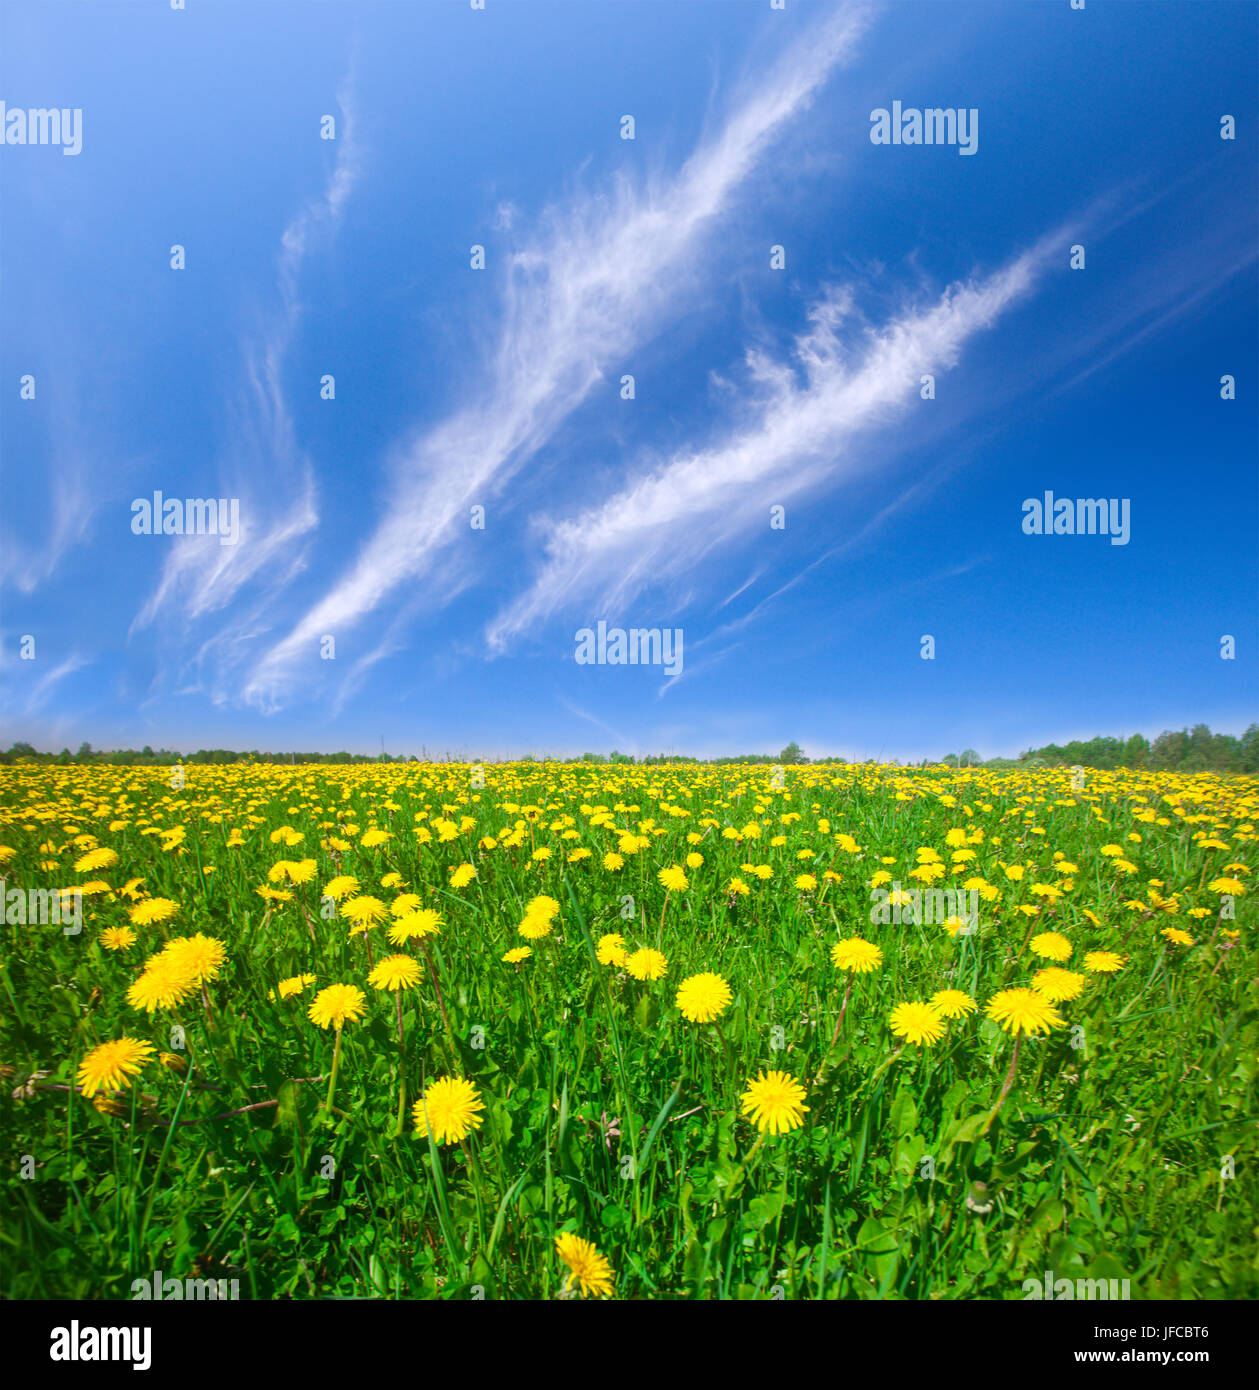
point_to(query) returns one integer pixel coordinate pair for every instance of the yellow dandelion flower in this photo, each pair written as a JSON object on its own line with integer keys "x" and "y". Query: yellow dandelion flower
{"x": 673, "y": 878}
{"x": 449, "y": 1108}
{"x": 334, "y": 1005}
{"x": 588, "y": 1269}
{"x": 647, "y": 965}
{"x": 1051, "y": 945}
{"x": 1058, "y": 985}
{"x": 152, "y": 910}
{"x": 415, "y": 926}
{"x": 201, "y": 956}
{"x": 102, "y": 858}
{"x": 611, "y": 949}
{"x": 163, "y": 984}
{"x": 1104, "y": 962}
{"x": 395, "y": 972}
{"x": 542, "y": 907}
{"x": 111, "y": 1065}
{"x": 917, "y": 1023}
{"x": 953, "y": 1003}
{"x": 364, "y": 912}
{"x": 775, "y": 1102}
{"x": 856, "y": 954}
{"x": 1023, "y": 1011}
{"x": 703, "y": 998}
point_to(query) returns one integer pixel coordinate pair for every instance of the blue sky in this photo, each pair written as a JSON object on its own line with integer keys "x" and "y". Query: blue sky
{"x": 754, "y": 387}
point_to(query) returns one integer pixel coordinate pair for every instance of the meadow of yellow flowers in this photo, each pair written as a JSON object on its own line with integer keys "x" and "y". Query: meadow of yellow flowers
{"x": 535, "y": 1030}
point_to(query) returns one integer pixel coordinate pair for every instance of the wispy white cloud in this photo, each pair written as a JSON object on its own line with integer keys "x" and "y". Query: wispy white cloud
{"x": 43, "y": 688}
{"x": 600, "y": 275}
{"x": 201, "y": 577}
{"x": 746, "y": 585}
{"x": 804, "y": 431}
{"x": 73, "y": 496}
{"x": 805, "y": 434}
{"x": 623, "y": 742}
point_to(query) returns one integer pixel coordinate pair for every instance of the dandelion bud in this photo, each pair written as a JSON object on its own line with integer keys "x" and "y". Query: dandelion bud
{"x": 978, "y": 1200}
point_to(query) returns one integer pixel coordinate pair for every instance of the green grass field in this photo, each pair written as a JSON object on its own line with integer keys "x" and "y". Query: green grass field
{"x": 1120, "y": 1145}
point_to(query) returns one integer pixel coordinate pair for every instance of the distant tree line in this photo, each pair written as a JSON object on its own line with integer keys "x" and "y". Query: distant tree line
{"x": 1174, "y": 750}
{"x": 1184, "y": 750}
{"x": 166, "y": 757}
